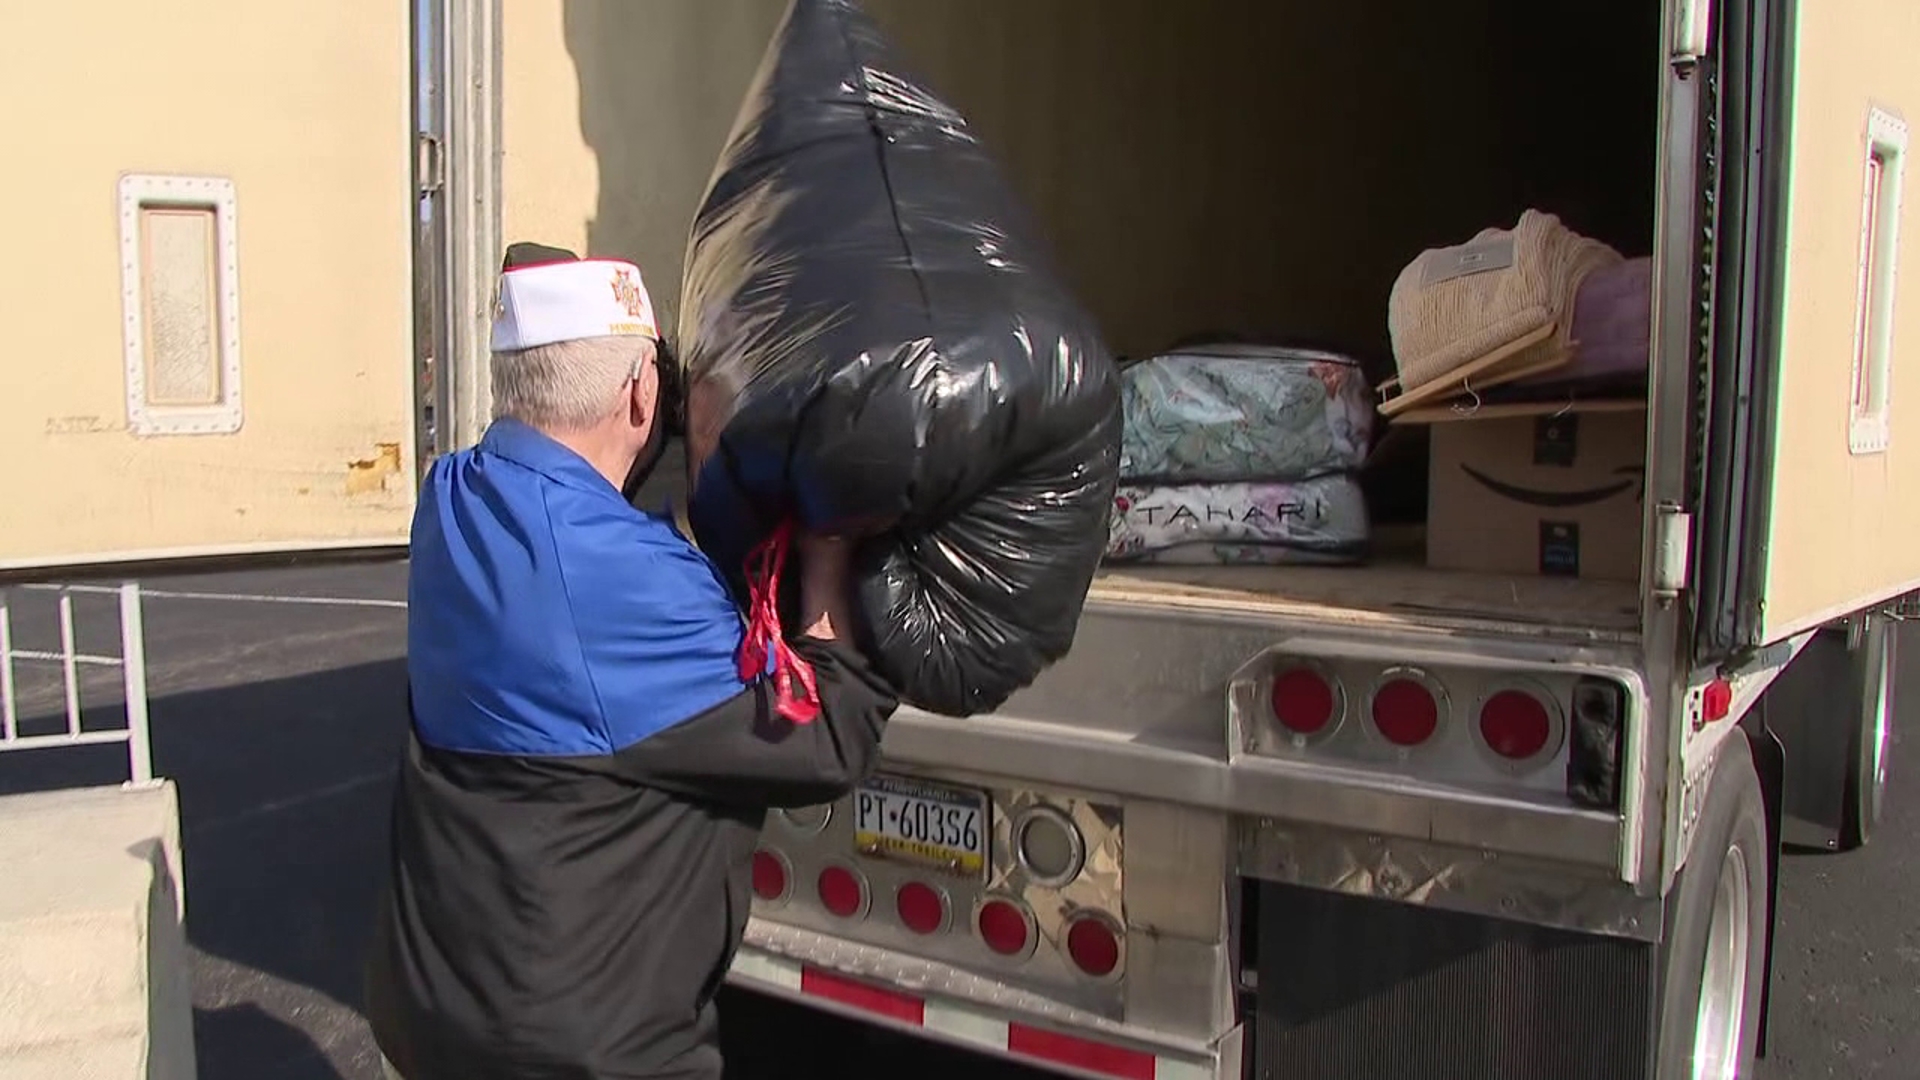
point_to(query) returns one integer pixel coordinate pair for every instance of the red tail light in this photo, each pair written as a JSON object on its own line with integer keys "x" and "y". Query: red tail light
{"x": 1303, "y": 701}
{"x": 1005, "y": 927}
{"x": 1093, "y": 945}
{"x": 1405, "y": 712}
{"x": 769, "y": 876}
{"x": 841, "y": 892}
{"x": 921, "y": 908}
{"x": 1515, "y": 724}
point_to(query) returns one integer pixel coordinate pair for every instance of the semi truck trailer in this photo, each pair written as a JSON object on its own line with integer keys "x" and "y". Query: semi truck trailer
{"x": 1262, "y": 821}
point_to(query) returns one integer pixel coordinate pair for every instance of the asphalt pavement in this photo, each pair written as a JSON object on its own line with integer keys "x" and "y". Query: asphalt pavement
{"x": 277, "y": 706}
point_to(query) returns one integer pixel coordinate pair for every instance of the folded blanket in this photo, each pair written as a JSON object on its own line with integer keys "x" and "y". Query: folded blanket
{"x": 1453, "y": 305}
{"x": 1323, "y": 520}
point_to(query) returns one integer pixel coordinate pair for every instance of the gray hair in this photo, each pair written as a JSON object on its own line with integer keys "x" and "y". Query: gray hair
{"x": 568, "y": 385}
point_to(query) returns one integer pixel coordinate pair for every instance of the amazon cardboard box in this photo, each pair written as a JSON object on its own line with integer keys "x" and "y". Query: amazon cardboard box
{"x": 1539, "y": 490}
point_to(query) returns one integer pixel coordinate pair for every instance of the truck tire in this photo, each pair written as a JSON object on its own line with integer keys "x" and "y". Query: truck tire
{"x": 1713, "y": 964}
{"x": 1870, "y": 730}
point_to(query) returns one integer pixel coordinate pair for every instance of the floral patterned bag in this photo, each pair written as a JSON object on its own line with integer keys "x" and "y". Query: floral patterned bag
{"x": 1243, "y": 414}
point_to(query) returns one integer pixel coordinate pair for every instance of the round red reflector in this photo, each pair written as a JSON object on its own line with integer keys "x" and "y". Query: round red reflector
{"x": 1405, "y": 712}
{"x": 1003, "y": 927}
{"x": 1302, "y": 701}
{"x": 1515, "y": 724}
{"x": 769, "y": 876}
{"x": 1717, "y": 701}
{"x": 920, "y": 907}
{"x": 1094, "y": 947}
{"x": 840, "y": 892}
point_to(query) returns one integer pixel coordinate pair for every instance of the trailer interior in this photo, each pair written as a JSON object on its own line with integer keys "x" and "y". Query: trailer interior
{"x": 1262, "y": 171}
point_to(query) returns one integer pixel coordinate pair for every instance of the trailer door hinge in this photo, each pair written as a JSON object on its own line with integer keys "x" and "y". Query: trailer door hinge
{"x": 1690, "y": 21}
{"x": 429, "y": 163}
{"x": 1672, "y": 550}
{"x": 1755, "y": 661}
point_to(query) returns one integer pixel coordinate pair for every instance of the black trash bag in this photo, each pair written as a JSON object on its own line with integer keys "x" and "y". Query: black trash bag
{"x": 875, "y": 342}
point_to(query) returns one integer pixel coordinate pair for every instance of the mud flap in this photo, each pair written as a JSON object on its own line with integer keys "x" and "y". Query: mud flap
{"x": 1355, "y": 986}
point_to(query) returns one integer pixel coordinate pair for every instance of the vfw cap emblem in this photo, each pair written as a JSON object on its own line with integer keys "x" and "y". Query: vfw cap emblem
{"x": 627, "y": 293}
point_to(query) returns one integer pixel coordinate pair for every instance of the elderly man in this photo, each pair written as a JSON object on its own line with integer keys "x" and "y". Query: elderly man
{"x": 588, "y": 770}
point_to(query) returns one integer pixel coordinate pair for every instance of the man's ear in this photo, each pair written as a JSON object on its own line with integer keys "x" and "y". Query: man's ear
{"x": 641, "y": 400}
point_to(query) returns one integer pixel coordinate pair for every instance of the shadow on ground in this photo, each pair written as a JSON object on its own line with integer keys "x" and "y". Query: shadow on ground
{"x": 245, "y": 1039}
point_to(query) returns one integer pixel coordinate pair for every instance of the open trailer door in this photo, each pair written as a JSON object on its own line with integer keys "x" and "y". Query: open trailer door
{"x": 1813, "y": 448}
{"x": 208, "y": 282}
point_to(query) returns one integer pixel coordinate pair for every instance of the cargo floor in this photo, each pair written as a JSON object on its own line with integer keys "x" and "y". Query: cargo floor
{"x": 1395, "y": 587}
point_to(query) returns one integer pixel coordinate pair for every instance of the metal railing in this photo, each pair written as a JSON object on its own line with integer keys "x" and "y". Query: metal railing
{"x": 132, "y": 663}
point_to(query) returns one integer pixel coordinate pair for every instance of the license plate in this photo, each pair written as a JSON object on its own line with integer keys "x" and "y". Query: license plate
{"x": 928, "y": 824}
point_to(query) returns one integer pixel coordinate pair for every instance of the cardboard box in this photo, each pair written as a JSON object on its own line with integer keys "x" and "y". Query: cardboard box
{"x": 1540, "y": 490}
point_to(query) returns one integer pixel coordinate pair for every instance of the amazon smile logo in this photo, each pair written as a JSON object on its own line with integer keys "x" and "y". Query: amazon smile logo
{"x": 1635, "y": 477}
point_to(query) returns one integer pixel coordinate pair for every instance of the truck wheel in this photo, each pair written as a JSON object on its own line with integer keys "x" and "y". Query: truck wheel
{"x": 1714, "y": 952}
{"x": 1870, "y": 731}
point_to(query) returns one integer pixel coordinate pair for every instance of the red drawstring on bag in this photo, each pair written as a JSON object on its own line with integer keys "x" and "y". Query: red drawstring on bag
{"x": 795, "y": 694}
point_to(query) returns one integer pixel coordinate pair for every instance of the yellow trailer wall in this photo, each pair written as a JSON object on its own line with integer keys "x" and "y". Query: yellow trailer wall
{"x": 304, "y": 110}
{"x": 1843, "y": 522}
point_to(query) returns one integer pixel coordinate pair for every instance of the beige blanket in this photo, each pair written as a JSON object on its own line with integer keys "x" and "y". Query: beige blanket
{"x": 1454, "y": 305}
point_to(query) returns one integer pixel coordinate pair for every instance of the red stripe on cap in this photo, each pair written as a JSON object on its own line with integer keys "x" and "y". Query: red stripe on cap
{"x": 865, "y": 996}
{"x": 1080, "y": 1053}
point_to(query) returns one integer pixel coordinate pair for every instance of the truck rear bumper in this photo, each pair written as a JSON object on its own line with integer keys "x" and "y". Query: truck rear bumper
{"x": 942, "y": 1003}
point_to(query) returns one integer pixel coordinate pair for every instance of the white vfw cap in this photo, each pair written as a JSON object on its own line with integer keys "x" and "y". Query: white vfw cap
{"x": 548, "y": 295}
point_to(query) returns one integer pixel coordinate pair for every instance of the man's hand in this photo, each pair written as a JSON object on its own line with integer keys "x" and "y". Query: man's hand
{"x": 825, "y": 587}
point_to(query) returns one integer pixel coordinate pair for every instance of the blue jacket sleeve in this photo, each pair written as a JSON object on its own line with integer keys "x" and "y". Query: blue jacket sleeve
{"x": 660, "y": 637}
